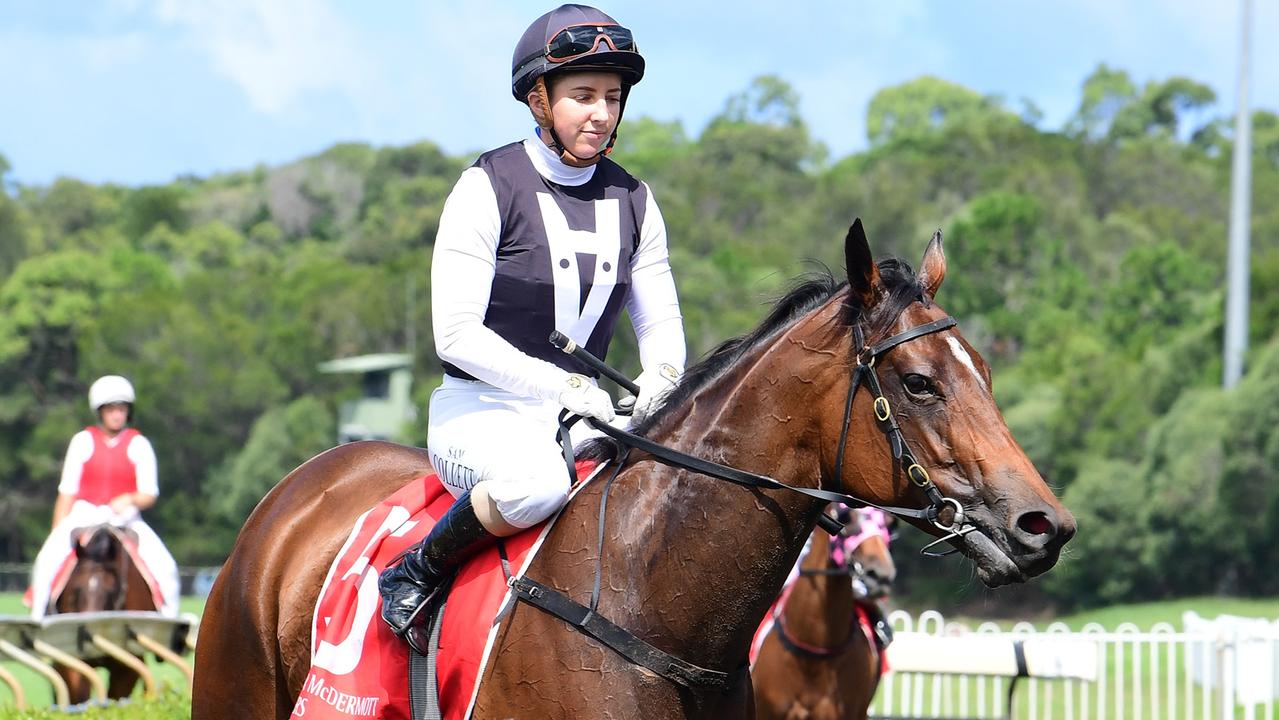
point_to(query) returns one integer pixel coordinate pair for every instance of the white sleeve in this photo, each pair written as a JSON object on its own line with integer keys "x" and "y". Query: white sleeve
{"x": 653, "y": 303}
{"x": 144, "y": 465}
{"x": 79, "y": 450}
{"x": 462, "y": 270}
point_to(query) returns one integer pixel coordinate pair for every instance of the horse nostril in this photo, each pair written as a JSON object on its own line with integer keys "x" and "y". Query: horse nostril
{"x": 881, "y": 577}
{"x": 1036, "y": 523}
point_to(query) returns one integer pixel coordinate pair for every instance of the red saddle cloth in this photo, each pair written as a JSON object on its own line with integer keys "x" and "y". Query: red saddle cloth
{"x": 359, "y": 668}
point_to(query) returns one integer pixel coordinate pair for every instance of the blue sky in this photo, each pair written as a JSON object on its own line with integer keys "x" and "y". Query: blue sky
{"x": 141, "y": 91}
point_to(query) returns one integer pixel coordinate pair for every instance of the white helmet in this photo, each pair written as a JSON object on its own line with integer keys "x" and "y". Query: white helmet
{"x": 109, "y": 389}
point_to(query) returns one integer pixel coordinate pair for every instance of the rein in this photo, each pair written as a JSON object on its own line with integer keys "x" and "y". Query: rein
{"x": 585, "y": 619}
{"x": 864, "y": 373}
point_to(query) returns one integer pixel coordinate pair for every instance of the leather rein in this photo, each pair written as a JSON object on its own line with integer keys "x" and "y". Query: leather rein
{"x": 585, "y": 619}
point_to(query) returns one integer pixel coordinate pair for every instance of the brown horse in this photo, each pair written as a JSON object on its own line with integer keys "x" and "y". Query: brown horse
{"x": 818, "y": 661}
{"x": 104, "y": 578}
{"x": 690, "y": 564}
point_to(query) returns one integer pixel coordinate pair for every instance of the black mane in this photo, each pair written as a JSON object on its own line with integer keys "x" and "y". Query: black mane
{"x": 102, "y": 546}
{"x": 900, "y": 289}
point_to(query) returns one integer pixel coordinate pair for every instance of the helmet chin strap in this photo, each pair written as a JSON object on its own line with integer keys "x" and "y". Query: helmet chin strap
{"x": 546, "y": 121}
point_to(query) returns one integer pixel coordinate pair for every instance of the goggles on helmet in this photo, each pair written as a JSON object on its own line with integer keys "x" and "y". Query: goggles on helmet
{"x": 576, "y": 40}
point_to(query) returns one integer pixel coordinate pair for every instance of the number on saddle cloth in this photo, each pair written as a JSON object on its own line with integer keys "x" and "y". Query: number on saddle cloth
{"x": 353, "y": 651}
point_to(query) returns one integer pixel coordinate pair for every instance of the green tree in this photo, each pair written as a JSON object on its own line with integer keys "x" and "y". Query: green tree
{"x": 1160, "y": 107}
{"x": 925, "y": 105}
{"x": 281, "y": 439}
{"x": 1106, "y": 93}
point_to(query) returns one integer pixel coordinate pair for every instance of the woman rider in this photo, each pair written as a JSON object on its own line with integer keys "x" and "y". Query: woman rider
{"x": 540, "y": 235}
{"x": 108, "y": 476}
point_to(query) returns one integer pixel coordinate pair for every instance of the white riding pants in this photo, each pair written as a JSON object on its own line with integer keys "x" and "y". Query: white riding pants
{"x": 478, "y": 433}
{"x": 160, "y": 564}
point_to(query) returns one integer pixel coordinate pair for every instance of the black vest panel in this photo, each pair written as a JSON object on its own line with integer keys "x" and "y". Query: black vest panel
{"x": 563, "y": 257}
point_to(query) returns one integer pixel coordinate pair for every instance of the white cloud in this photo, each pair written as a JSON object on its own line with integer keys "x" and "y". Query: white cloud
{"x": 459, "y": 89}
{"x": 279, "y": 51}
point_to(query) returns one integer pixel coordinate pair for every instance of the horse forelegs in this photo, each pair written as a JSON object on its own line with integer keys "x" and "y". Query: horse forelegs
{"x": 78, "y": 688}
{"x": 122, "y": 680}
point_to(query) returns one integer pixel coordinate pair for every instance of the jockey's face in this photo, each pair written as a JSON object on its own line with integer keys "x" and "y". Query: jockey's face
{"x": 586, "y": 106}
{"x": 114, "y": 416}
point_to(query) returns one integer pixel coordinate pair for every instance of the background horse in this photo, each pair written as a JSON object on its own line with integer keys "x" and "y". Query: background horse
{"x": 104, "y": 578}
{"x": 690, "y": 564}
{"x": 819, "y": 660}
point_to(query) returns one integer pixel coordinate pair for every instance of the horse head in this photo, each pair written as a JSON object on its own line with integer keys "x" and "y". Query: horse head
{"x": 861, "y": 550}
{"x": 99, "y": 580}
{"x": 937, "y": 391}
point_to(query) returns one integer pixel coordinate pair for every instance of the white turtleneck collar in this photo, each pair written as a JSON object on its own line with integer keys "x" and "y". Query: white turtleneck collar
{"x": 549, "y": 165}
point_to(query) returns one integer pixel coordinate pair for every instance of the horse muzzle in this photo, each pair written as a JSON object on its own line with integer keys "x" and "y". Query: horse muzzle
{"x": 1029, "y": 546}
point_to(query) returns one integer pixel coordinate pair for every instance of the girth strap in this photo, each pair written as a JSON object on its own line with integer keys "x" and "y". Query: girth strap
{"x": 620, "y": 640}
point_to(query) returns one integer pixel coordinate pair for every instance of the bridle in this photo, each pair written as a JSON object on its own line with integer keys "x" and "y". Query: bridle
{"x": 866, "y": 358}
{"x": 843, "y": 566}
{"x": 864, "y": 373}
{"x": 119, "y": 569}
{"x": 586, "y": 618}
{"x": 841, "y": 556}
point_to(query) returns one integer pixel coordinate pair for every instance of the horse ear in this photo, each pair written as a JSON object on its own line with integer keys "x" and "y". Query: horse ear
{"x": 863, "y": 274}
{"x": 933, "y": 270}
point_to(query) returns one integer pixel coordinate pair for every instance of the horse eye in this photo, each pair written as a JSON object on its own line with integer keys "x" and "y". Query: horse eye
{"x": 918, "y": 384}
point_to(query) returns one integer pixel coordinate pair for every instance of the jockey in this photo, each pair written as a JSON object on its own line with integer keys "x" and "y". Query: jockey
{"x": 109, "y": 476}
{"x": 540, "y": 235}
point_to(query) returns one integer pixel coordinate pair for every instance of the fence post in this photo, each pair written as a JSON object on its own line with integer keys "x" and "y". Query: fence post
{"x": 1226, "y": 672}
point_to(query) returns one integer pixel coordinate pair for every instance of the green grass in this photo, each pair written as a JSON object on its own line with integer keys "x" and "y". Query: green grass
{"x": 172, "y": 705}
{"x": 174, "y": 702}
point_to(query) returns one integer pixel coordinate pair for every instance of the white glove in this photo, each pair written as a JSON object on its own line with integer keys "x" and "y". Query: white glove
{"x": 583, "y": 397}
{"x": 654, "y": 384}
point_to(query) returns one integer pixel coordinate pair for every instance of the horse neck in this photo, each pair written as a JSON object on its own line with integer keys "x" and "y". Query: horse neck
{"x": 819, "y": 609}
{"x": 138, "y": 593}
{"x": 710, "y": 555}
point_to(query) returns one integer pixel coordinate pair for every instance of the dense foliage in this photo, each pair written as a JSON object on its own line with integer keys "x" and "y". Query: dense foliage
{"x": 1087, "y": 264}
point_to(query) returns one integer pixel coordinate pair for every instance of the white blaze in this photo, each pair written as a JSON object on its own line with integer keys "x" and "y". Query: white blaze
{"x": 962, "y": 355}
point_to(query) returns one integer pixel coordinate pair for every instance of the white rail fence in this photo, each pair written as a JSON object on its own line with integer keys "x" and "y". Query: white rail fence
{"x": 1208, "y": 670}
{"x": 72, "y": 640}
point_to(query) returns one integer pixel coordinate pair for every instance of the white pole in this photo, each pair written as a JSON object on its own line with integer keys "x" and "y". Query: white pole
{"x": 1236, "y": 341}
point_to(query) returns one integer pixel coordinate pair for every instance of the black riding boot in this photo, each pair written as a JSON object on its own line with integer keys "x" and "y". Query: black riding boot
{"x": 412, "y": 583}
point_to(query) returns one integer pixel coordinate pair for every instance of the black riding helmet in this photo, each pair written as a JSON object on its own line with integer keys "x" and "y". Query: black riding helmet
{"x": 573, "y": 37}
